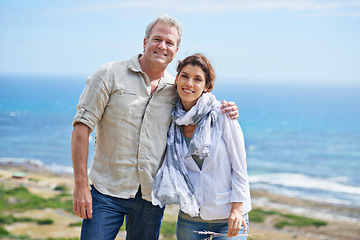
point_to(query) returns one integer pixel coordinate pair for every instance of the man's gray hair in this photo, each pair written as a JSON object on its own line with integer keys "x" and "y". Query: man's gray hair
{"x": 167, "y": 20}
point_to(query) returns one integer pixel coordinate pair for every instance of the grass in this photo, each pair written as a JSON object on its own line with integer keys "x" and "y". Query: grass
{"x": 77, "y": 224}
{"x": 298, "y": 221}
{"x": 62, "y": 239}
{"x": 45, "y": 221}
{"x": 168, "y": 229}
{"x": 11, "y": 219}
{"x": 61, "y": 188}
{"x": 3, "y": 232}
{"x": 20, "y": 198}
{"x": 259, "y": 215}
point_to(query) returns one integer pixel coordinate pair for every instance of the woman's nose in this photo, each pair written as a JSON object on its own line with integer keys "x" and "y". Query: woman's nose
{"x": 189, "y": 82}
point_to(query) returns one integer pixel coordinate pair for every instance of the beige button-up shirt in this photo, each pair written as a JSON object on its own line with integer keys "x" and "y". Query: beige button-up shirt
{"x": 131, "y": 126}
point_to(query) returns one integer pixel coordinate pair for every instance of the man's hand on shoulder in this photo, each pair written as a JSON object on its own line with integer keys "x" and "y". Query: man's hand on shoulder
{"x": 230, "y": 109}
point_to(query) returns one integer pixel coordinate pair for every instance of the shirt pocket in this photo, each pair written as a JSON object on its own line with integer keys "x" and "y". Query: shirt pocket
{"x": 223, "y": 198}
{"x": 125, "y": 92}
{"x": 122, "y": 102}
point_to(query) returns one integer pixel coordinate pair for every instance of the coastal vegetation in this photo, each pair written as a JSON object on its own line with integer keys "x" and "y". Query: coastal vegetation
{"x": 16, "y": 199}
{"x": 281, "y": 220}
{"x": 19, "y": 199}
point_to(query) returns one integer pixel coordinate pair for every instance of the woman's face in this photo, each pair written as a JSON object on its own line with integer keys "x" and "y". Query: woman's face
{"x": 190, "y": 85}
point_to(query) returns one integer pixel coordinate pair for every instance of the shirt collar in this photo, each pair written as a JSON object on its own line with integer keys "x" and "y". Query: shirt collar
{"x": 134, "y": 65}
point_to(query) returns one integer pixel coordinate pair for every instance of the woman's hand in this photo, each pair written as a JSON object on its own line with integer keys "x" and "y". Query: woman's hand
{"x": 230, "y": 109}
{"x": 236, "y": 220}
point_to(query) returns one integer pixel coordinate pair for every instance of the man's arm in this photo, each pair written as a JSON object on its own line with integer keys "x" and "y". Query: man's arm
{"x": 82, "y": 202}
{"x": 230, "y": 109}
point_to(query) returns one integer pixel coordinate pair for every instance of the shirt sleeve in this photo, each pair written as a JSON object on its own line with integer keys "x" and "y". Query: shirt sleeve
{"x": 94, "y": 98}
{"x": 235, "y": 143}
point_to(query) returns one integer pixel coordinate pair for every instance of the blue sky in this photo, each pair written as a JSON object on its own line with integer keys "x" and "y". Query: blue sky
{"x": 263, "y": 42}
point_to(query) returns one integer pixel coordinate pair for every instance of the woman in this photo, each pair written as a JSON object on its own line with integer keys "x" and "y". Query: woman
{"x": 205, "y": 164}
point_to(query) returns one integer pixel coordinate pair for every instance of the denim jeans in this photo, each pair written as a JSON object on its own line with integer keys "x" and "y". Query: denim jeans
{"x": 185, "y": 230}
{"x": 143, "y": 220}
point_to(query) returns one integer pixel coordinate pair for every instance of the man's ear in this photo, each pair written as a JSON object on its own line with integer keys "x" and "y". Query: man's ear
{"x": 145, "y": 42}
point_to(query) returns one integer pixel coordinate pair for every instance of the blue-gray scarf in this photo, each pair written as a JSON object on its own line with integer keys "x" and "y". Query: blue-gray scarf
{"x": 172, "y": 184}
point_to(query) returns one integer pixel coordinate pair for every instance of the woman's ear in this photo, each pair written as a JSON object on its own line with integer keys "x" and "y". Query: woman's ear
{"x": 176, "y": 81}
{"x": 206, "y": 88}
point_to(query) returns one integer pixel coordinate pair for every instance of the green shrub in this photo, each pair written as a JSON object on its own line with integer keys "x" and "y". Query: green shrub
{"x": 77, "y": 224}
{"x": 319, "y": 223}
{"x": 6, "y": 219}
{"x": 282, "y": 224}
{"x": 3, "y": 232}
{"x": 21, "y": 192}
{"x": 299, "y": 221}
{"x": 168, "y": 229}
{"x": 62, "y": 239}
{"x": 61, "y": 188}
{"x": 23, "y": 199}
{"x": 34, "y": 179}
{"x": 45, "y": 221}
{"x": 258, "y": 215}
{"x": 9, "y": 219}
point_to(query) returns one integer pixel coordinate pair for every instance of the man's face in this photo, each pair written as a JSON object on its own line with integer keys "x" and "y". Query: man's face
{"x": 161, "y": 47}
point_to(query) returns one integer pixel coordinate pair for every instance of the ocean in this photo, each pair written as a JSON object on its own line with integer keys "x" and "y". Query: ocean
{"x": 302, "y": 142}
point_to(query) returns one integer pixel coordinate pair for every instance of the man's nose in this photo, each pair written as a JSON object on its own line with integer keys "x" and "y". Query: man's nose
{"x": 162, "y": 45}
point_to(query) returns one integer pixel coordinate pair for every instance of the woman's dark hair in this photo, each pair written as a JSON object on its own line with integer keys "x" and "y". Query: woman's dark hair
{"x": 200, "y": 60}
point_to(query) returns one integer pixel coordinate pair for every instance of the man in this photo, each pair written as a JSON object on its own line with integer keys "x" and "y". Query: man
{"x": 130, "y": 103}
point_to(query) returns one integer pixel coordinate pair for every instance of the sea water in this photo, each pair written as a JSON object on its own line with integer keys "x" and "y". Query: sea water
{"x": 300, "y": 141}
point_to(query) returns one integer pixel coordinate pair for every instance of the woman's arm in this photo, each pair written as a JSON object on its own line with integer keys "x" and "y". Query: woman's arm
{"x": 234, "y": 139}
{"x": 236, "y": 220}
{"x": 235, "y": 144}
